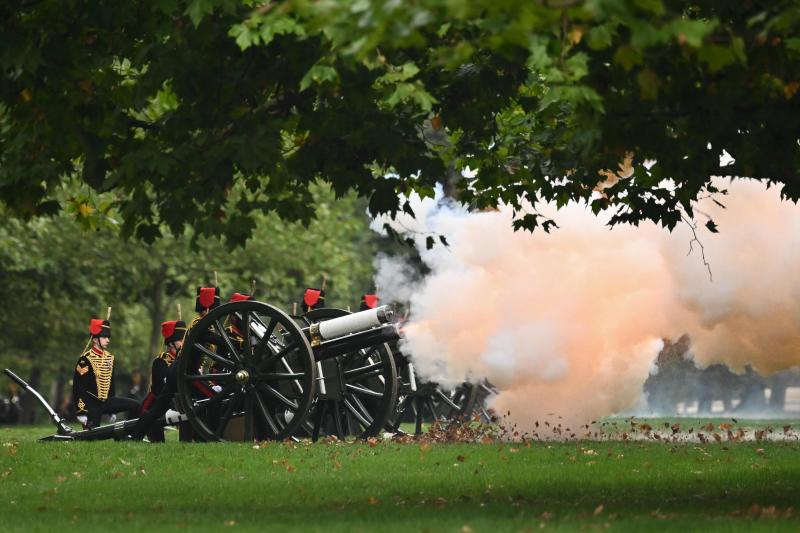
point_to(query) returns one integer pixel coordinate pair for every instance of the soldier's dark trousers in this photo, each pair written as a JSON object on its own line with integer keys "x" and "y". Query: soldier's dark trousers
{"x": 159, "y": 407}
{"x": 111, "y": 406}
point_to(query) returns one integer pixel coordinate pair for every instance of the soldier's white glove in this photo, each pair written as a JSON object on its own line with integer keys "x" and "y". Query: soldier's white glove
{"x": 112, "y": 418}
{"x": 216, "y": 388}
{"x": 83, "y": 419}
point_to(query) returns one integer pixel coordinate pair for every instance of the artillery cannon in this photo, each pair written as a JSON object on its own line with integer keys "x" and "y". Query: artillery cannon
{"x": 357, "y": 391}
{"x": 267, "y": 381}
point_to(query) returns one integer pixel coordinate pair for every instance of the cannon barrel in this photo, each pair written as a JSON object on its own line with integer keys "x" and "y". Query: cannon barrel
{"x": 353, "y": 323}
{"x": 356, "y": 341}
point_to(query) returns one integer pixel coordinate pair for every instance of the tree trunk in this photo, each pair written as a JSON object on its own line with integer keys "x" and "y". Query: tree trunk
{"x": 157, "y": 314}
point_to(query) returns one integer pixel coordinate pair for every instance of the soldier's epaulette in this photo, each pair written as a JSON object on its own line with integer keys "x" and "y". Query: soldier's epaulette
{"x": 167, "y": 358}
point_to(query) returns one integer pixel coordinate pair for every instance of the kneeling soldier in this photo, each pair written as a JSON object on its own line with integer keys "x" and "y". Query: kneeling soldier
{"x": 173, "y": 332}
{"x": 93, "y": 379}
{"x": 207, "y": 299}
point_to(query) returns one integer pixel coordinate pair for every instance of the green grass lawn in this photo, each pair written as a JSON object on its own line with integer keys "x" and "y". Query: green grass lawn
{"x": 633, "y": 486}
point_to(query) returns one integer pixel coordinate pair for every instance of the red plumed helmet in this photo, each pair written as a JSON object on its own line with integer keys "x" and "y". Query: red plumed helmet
{"x": 207, "y": 298}
{"x": 239, "y": 297}
{"x": 173, "y": 330}
{"x": 99, "y": 328}
{"x": 369, "y": 301}
{"x": 313, "y": 298}
{"x": 168, "y": 328}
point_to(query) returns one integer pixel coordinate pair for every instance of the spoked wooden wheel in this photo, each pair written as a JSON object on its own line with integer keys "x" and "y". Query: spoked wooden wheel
{"x": 359, "y": 391}
{"x": 429, "y": 402}
{"x": 246, "y": 383}
{"x": 484, "y": 392}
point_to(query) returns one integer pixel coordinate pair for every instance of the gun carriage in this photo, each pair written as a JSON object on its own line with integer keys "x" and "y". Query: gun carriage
{"x": 268, "y": 381}
{"x": 356, "y": 392}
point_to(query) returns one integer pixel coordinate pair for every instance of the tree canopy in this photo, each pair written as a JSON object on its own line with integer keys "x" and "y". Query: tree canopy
{"x": 200, "y": 113}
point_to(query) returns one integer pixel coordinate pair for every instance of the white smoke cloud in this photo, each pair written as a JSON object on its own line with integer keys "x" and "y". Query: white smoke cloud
{"x": 570, "y": 322}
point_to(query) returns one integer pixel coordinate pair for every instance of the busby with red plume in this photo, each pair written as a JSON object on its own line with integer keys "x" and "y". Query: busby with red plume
{"x": 240, "y": 297}
{"x": 313, "y": 299}
{"x": 369, "y": 301}
{"x": 100, "y": 328}
{"x": 173, "y": 330}
{"x": 207, "y": 299}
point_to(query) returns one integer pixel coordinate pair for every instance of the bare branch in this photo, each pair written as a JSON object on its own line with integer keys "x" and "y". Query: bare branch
{"x": 693, "y": 226}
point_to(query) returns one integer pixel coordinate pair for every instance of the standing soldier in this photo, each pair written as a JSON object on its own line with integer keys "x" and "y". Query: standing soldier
{"x": 93, "y": 379}
{"x": 173, "y": 332}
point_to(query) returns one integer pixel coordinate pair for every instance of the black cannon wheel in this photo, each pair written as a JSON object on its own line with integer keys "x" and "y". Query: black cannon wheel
{"x": 484, "y": 392}
{"x": 257, "y": 386}
{"x": 360, "y": 403}
{"x": 430, "y": 401}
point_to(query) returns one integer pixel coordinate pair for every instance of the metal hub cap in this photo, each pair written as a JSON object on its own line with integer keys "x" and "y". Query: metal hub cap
{"x": 242, "y": 376}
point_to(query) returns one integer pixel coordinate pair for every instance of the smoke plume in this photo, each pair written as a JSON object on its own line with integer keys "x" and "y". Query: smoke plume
{"x": 569, "y": 323}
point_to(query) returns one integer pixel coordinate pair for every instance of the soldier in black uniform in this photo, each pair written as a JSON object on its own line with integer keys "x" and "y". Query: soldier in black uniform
{"x": 93, "y": 379}
{"x": 173, "y": 332}
{"x": 207, "y": 299}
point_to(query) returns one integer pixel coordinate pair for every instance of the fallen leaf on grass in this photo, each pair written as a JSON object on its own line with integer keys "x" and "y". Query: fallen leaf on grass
{"x": 61, "y": 479}
{"x": 123, "y": 461}
{"x": 372, "y": 441}
{"x": 230, "y": 522}
{"x": 461, "y": 458}
{"x": 598, "y": 510}
{"x": 589, "y": 452}
{"x": 7, "y": 472}
{"x": 78, "y": 474}
{"x": 760, "y": 451}
{"x": 372, "y": 500}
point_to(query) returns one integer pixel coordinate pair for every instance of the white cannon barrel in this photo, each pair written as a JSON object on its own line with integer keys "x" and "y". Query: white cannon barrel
{"x": 354, "y": 323}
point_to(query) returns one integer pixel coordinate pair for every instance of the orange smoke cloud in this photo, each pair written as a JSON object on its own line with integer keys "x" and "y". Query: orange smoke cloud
{"x": 570, "y": 322}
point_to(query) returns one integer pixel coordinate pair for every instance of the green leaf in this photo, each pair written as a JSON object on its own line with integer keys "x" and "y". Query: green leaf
{"x": 279, "y": 25}
{"x": 655, "y": 7}
{"x": 627, "y": 57}
{"x": 599, "y": 37}
{"x": 717, "y": 57}
{"x": 198, "y": 9}
{"x": 692, "y": 32}
{"x": 318, "y": 74}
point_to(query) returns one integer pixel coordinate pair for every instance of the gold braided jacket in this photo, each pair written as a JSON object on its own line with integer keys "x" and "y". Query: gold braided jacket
{"x": 103, "y": 367}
